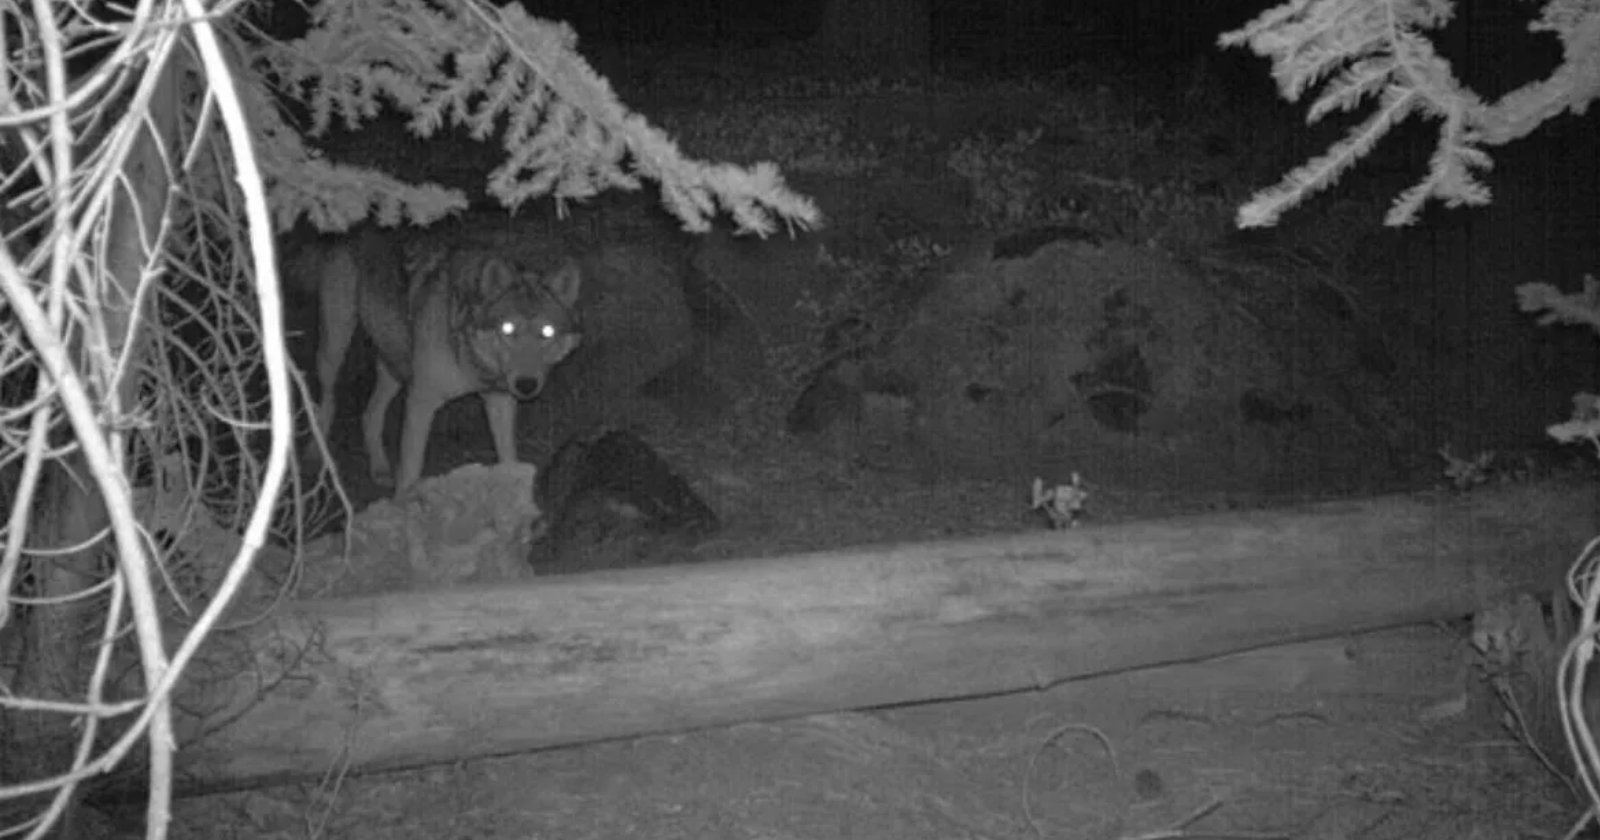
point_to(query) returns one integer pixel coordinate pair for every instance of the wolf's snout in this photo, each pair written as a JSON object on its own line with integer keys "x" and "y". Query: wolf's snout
{"x": 527, "y": 387}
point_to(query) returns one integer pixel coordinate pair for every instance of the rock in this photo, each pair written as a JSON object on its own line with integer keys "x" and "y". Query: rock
{"x": 610, "y": 501}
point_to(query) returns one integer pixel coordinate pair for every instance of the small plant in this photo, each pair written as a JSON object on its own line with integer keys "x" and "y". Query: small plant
{"x": 1575, "y": 666}
{"x": 1584, "y": 424}
{"x": 1582, "y": 308}
{"x": 870, "y": 289}
{"x": 868, "y": 301}
{"x": 1466, "y": 473}
{"x": 914, "y": 150}
{"x": 1005, "y": 185}
{"x": 797, "y": 141}
{"x": 1064, "y": 504}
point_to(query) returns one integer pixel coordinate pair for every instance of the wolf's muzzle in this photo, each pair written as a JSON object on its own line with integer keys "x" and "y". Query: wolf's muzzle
{"x": 525, "y": 387}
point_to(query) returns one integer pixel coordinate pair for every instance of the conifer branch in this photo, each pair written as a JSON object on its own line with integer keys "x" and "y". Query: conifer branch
{"x": 494, "y": 72}
{"x": 1356, "y": 50}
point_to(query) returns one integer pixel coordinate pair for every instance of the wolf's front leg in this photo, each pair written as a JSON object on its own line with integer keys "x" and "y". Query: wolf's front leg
{"x": 501, "y": 410}
{"x": 422, "y": 403}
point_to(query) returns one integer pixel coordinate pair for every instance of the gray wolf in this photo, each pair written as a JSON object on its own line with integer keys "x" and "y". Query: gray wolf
{"x": 444, "y": 325}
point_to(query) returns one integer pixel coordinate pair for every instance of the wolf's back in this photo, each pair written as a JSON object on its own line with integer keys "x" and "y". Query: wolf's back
{"x": 301, "y": 254}
{"x": 307, "y": 257}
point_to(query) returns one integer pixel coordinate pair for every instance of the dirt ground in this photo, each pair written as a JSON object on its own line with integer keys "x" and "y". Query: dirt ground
{"x": 1369, "y": 737}
{"x": 1387, "y": 735}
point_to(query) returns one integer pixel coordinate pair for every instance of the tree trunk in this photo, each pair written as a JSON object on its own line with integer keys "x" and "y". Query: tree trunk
{"x": 58, "y": 633}
{"x": 419, "y": 677}
{"x": 890, "y": 37}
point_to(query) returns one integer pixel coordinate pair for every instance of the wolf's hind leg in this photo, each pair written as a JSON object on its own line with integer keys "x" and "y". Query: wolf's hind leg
{"x": 384, "y": 390}
{"x": 336, "y": 319}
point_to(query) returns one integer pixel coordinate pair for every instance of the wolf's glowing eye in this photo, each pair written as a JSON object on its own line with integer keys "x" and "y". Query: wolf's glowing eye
{"x": 547, "y": 331}
{"x": 508, "y": 328}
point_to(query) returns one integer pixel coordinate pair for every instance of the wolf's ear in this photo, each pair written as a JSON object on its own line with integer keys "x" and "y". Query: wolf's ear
{"x": 565, "y": 283}
{"x": 496, "y": 277}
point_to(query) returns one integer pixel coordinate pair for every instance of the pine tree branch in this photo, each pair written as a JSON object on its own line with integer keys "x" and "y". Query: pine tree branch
{"x": 494, "y": 72}
{"x": 1354, "y": 50}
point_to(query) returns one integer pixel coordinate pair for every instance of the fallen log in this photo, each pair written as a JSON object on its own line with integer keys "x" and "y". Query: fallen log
{"x": 412, "y": 678}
